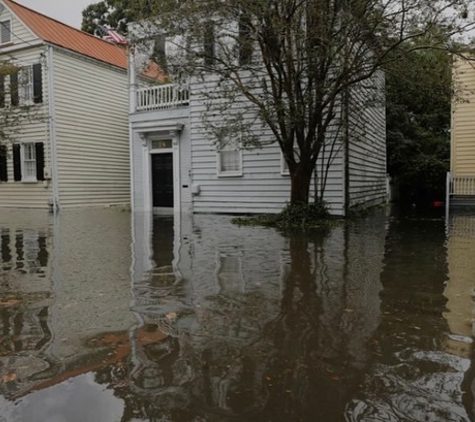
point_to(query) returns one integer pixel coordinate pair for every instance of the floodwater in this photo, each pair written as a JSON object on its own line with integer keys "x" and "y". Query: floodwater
{"x": 112, "y": 317}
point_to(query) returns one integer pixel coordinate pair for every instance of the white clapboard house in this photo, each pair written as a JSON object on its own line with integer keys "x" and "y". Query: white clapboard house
{"x": 175, "y": 164}
{"x": 64, "y": 100}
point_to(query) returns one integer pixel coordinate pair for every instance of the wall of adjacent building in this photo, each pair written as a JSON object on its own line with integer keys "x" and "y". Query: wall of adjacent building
{"x": 462, "y": 148}
{"x": 92, "y": 135}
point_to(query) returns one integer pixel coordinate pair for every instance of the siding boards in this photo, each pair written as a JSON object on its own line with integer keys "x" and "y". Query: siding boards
{"x": 367, "y": 147}
{"x": 91, "y": 103}
{"x": 463, "y": 122}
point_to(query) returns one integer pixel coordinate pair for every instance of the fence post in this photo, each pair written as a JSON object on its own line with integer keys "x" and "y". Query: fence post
{"x": 447, "y": 195}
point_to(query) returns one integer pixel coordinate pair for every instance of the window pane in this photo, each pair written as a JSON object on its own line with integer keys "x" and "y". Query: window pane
{"x": 230, "y": 161}
{"x": 5, "y": 31}
{"x": 25, "y": 82}
{"x": 29, "y": 152}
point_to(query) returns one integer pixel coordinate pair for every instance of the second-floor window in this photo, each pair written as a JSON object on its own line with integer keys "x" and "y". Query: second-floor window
{"x": 5, "y": 31}
{"x": 26, "y": 86}
{"x": 209, "y": 48}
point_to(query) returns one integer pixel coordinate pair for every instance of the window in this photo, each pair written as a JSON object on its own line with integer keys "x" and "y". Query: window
{"x": 28, "y": 162}
{"x": 245, "y": 41}
{"x": 230, "y": 159}
{"x": 5, "y": 31}
{"x": 209, "y": 44}
{"x": 26, "y": 86}
{"x": 284, "y": 168}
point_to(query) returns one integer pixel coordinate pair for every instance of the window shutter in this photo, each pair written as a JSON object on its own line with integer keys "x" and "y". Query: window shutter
{"x": 40, "y": 161}
{"x": 2, "y": 91}
{"x": 16, "y": 163}
{"x": 37, "y": 84}
{"x": 3, "y": 164}
{"x": 14, "y": 88}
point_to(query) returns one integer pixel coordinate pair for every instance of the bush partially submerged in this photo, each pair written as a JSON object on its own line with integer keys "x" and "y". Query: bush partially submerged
{"x": 301, "y": 216}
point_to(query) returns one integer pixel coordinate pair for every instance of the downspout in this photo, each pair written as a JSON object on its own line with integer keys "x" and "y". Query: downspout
{"x": 132, "y": 108}
{"x": 52, "y": 128}
{"x": 346, "y": 150}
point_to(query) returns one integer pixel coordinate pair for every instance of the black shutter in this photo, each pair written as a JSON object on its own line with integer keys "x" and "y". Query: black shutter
{"x": 37, "y": 84}
{"x": 14, "y": 88}
{"x": 16, "y": 163}
{"x": 40, "y": 161}
{"x": 3, "y": 164}
{"x": 2, "y": 91}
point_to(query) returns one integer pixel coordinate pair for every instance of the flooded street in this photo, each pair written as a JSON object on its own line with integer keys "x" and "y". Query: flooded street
{"x": 111, "y": 317}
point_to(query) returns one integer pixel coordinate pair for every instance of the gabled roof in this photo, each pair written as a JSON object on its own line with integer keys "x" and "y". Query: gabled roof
{"x": 62, "y": 35}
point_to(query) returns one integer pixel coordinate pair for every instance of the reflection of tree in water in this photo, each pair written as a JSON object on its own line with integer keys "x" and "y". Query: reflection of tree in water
{"x": 311, "y": 372}
{"x": 413, "y": 378}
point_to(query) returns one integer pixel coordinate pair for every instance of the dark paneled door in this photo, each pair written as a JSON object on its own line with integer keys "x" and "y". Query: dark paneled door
{"x": 162, "y": 180}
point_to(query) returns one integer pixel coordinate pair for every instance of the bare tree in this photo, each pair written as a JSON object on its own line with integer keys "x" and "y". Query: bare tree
{"x": 290, "y": 65}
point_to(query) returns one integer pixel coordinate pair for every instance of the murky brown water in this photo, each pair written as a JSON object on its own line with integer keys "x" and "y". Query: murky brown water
{"x": 106, "y": 316}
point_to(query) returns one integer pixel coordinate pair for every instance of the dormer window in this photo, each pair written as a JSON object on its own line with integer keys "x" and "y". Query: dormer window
{"x": 5, "y": 31}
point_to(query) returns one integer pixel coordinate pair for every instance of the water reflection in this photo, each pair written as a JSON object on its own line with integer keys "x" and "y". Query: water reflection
{"x": 417, "y": 374}
{"x": 194, "y": 319}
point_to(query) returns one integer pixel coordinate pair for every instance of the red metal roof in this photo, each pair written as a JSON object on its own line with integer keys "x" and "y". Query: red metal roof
{"x": 62, "y": 35}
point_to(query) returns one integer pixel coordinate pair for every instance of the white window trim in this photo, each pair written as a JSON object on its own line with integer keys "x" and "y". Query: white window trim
{"x": 229, "y": 173}
{"x": 11, "y": 30}
{"x": 24, "y": 178}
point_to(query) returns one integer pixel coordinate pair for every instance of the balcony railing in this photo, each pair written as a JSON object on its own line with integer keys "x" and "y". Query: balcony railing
{"x": 462, "y": 185}
{"x": 162, "y": 97}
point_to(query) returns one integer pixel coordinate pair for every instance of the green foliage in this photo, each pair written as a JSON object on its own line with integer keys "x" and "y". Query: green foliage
{"x": 419, "y": 95}
{"x": 294, "y": 216}
{"x": 110, "y": 13}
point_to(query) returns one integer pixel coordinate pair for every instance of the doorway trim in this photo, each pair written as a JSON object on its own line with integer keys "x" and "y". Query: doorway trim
{"x": 165, "y": 133}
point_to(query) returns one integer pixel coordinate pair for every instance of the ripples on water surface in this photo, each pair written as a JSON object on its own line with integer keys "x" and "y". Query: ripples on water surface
{"x": 107, "y": 317}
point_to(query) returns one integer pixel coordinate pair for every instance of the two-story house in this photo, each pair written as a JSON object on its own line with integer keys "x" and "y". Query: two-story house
{"x": 64, "y": 104}
{"x": 177, "y": 166}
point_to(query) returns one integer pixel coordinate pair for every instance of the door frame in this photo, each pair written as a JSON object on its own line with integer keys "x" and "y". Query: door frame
{"x": 147, "y": 151}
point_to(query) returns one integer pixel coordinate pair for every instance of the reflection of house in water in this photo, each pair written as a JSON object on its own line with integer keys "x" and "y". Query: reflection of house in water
{"x": 418, "y": 371}
{"x": 227, "y": 323}
{"x": 460, "y": 288}
{"x": 63, "y": 280}
{"x": 253, "y": 319}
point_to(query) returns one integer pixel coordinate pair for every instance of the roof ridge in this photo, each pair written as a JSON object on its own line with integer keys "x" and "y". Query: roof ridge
{"x": 58, "y": 33}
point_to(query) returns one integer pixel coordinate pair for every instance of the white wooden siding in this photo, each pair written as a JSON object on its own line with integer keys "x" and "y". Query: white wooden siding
{"x": 33, "y": 127}
{"x": 262, "y": 188}
{"x": 463, "y": 121}
{"x": 92, "y": 133}
{"x": 22, "y": 36}
{"x": 367, "y": 147}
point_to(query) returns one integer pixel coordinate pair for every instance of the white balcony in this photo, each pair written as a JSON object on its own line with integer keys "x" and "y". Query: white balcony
{"x": 161, "y": 97}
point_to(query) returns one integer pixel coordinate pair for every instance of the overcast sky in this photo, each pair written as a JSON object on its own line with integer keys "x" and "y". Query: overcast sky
{"x": 67, "y": 11}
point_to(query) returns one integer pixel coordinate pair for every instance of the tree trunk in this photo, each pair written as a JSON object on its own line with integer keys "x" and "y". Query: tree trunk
{"x": 301, "y": 177}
